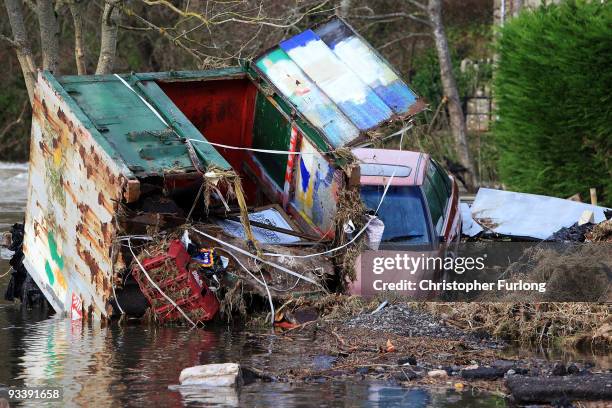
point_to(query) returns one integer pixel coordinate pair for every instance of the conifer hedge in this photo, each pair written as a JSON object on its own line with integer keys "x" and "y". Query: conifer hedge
{"x": 553, "y": 90}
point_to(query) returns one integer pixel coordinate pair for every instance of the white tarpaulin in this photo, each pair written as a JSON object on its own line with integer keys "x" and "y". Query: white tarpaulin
{"x": 528, "y": 215}
{"x": 271, "y": 217}
{"x": 469, "y": 227}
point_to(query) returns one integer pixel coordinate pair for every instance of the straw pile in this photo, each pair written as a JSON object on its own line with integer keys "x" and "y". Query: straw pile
{"x": 543, "y": 324}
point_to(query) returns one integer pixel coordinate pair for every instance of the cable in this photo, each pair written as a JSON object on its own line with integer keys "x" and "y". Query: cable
{"x": 242, "y": 251}
{"x": 348, "y": 243}
{"x": 269, "y": 297}
{"x": 261, "y": 282}
{"x": 6, "y": 273}
{"x": 113, "y": 278}
{"x": 157, "y": 287}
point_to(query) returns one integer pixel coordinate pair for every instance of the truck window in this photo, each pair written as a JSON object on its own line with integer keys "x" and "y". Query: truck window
{"x": 402, "y": 212}
{"x": 437, "y": 188}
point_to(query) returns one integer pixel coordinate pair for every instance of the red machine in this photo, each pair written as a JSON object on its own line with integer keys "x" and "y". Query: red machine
{"x": 180, "y": 283}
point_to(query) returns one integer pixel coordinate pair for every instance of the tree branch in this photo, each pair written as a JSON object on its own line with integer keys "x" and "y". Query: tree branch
{"x": 21, "y": 44}
{"x": 232, "y": 17}
{"x": 380, "y": 18}
{"x": 9, "y": 40}
{"x": 402, "y": 38}
{"x": 16, "y": 122}
{"x": 418, "y": 4}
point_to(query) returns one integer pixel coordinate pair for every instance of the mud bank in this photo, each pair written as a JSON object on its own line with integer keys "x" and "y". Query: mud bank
{"x": 404, "y": 344}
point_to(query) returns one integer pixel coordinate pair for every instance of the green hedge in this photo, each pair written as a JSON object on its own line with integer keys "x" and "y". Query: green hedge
{"x": 553, "y": 88}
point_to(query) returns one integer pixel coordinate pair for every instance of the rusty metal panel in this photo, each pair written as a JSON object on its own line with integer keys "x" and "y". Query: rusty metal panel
{"x": 316, "y": 187}
{"x": 316, "y": 107}
{"x": 73, "y": 191}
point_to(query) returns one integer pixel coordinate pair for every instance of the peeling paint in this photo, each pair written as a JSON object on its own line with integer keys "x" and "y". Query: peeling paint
{"x": 316, "y": 192}
{"x": 73, "y": 185}
{"x": 337, "y": 81}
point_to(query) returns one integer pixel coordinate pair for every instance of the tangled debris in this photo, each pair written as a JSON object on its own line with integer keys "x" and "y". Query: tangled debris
{"x": 601, "y": 232}
{"x": 543, "y": 324}
{"x": 575, "y": 233}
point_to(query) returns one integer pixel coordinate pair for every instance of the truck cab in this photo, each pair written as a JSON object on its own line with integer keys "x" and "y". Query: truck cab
{"x": 420, "y": 207}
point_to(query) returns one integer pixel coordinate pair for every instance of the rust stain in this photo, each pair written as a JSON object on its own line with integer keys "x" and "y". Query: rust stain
{"x": 106, "y": 231}
{"x": 487, "y": 222}
{"x": 60, "y": 115}
{"x": 69, "y": 191}
{"x": 84, "y": 174}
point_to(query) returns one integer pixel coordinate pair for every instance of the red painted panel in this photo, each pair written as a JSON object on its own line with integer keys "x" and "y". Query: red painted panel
{"x": 222, "y": 110}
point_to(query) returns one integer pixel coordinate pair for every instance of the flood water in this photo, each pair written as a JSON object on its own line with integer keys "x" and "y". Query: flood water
{"x": 134, "y": 365}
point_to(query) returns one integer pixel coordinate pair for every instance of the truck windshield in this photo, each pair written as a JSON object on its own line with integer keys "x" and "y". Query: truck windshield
{"x": 402, "y": 212}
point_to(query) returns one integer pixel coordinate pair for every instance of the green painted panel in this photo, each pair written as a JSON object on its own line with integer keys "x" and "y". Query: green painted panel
{"x": 236, "y": 71}
{"x": 271, "y": 131}
{"x": 132, "y": 129}
{"x": 129, "y": 126}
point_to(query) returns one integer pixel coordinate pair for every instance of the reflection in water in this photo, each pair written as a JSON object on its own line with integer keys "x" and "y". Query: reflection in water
{"x": 140, "y": 365}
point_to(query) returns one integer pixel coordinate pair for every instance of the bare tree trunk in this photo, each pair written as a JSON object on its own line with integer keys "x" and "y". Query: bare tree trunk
{"x": 517, "y": 5}
{"x": 49, "y": 35}
{"x": 76, "y": 9}
{"x": 108, "y": 38}
{"x": 457, "y": 119}
{"x": 21, "y": 44}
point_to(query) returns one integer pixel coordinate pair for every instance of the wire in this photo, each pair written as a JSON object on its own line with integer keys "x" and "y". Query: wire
{"x": 348, "y": 243}
{"x": 286, "y": 152}
{"x": 242, "y": 251}
{"x": 6, "y": 273}
{"x": 113, "y": 278}
{"x": 157, "y": 287}
{"x": 269, "y": 297}
{"x": 261, "y": 282}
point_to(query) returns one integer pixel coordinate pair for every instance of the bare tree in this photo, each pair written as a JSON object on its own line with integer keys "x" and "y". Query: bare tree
{"x": 455, "y": 111}
{"x": 108, "y": 37}
{"x": 49, "y": 31}
{"x": 517, "y": 5}
{"x": 344, "y": 8}
{"x": 429, "y": 14}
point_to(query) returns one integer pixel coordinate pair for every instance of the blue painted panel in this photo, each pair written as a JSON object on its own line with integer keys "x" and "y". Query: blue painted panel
{"x": 316, "y": 107}
{"x": 361, "y": 59}
{"x": 356, "y": 99}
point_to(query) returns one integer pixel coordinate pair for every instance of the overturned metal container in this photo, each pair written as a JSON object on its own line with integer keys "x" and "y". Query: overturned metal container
{"x": 101, "y": 143}
{"x": 94, "y": 141}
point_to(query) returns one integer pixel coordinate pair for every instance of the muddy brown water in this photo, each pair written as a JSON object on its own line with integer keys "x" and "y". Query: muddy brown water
{"x": 137, "y": 365}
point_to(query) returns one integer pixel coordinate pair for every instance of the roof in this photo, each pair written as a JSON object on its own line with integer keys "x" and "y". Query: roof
{"x": 337, "y": 82}
{"x": 377, "y": 165}
{"x": 130, "y": 130}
